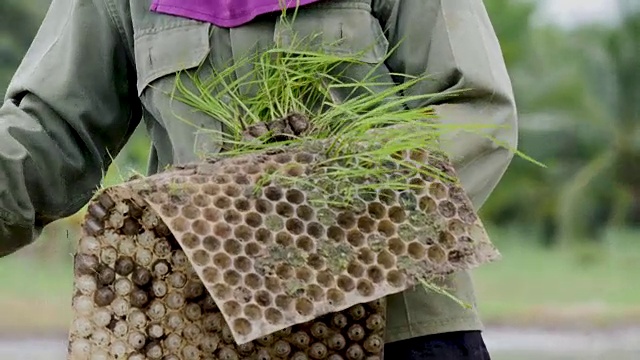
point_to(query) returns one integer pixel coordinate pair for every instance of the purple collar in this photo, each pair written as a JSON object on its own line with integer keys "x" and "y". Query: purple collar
{"x": 223, "y": 13}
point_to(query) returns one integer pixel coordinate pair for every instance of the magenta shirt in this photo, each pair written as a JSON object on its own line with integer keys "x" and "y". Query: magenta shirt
{"x": 223, "y": 13}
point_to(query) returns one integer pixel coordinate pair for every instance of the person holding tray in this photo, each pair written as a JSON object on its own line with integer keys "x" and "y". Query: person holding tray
{"x": 97, "y": 68}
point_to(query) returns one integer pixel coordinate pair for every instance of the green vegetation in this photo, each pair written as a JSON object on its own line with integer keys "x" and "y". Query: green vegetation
{"x": 579, "y": 114}
{"x": 288, "y": 81}
{"x": 588, "y": 285}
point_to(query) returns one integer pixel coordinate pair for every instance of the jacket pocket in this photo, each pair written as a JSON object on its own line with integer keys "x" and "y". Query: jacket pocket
{"x": 342, "y": 29}
{"x": 179, "y": 133}
{"x": 169, "y": 50}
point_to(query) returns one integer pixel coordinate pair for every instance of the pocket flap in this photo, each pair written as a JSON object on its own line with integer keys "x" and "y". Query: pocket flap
{"x": 170, "y": 50}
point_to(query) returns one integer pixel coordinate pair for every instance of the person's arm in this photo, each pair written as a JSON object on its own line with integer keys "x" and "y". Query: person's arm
{"x": 454, "y": 43}
{"x": 70, "y": 107}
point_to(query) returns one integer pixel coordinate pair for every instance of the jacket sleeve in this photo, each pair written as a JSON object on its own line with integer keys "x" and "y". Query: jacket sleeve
{"x": 453, "y": 42}
{"x": 68, "y": 111}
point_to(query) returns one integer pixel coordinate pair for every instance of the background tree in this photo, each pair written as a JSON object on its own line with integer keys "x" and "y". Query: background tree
{"x": 19, "y": 21}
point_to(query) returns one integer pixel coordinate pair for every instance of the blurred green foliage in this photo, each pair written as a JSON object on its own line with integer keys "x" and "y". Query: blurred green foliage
{"x": 19, "y": 20}
{"x": 578, "y": 94}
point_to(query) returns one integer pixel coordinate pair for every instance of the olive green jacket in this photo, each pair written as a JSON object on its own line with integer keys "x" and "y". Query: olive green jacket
{"x": 97, "y": 68}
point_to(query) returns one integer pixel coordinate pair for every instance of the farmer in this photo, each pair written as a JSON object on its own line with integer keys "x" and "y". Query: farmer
{"x": 97, "y": 68}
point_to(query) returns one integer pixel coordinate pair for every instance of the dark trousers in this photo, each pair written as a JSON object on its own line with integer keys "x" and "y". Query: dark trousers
{"x": 465, "y": 345}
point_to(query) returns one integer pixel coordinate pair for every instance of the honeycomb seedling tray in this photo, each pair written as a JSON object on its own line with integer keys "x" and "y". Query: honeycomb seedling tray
{"x": 209, "y": 261}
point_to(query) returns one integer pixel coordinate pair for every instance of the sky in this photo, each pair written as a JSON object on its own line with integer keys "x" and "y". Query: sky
{"x": 573, "y": 12}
